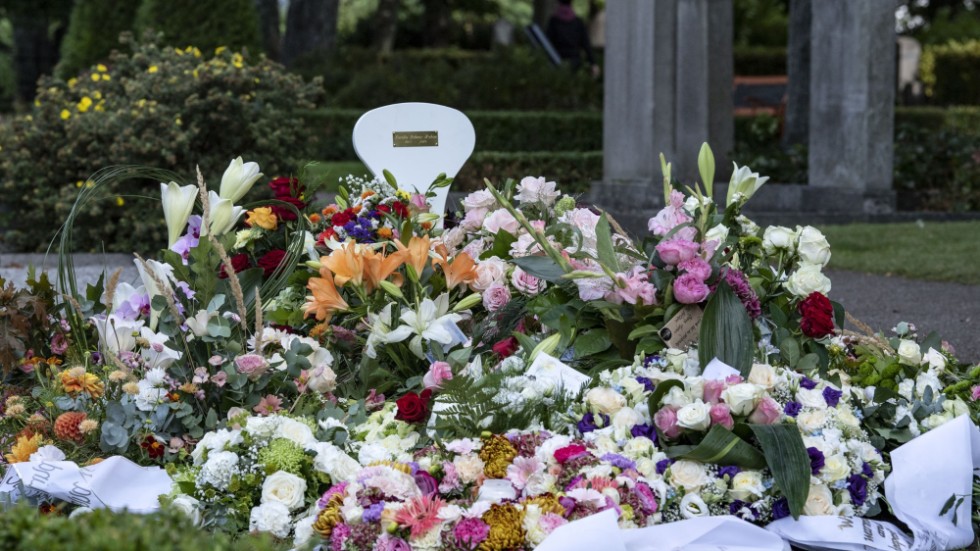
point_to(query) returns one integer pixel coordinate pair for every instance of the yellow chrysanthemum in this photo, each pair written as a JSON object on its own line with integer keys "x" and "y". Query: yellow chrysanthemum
{"x": 262, "y": 217}
{"x": 548, "y": 503}
{"x": 84, "y": 104}
{"x": 77, "y": 380}
{"x": 329, "y": 517}
{"x": 506, "y": 528}
{"x": 22, "y": 450}
{"x": 497, "y": 454}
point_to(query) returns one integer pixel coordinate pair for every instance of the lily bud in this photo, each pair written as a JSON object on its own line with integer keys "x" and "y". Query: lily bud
{"x": 178, "y": 201}
{"x": 223, "y": 215}
{"x": 546, "y": 346}
{"x": 468, "y": 302}
{"x": 238, "y": 179}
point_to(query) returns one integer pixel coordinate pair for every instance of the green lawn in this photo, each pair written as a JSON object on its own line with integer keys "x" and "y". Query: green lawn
{"x": 938, "y": 251}
{"x": 330, "y": 172}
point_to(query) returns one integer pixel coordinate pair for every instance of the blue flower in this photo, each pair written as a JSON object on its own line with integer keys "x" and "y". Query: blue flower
{"x": 832, "y": 396}
{"x": 663, "y": 464}
{"x": 808, "y": 383}
{"x": 648, "y": 385}
{"x": 730, "y": 470}
{"x": 792, "y": 408}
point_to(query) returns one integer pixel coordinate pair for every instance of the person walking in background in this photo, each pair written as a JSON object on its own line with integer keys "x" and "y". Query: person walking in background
{"x": 570, "y": 37}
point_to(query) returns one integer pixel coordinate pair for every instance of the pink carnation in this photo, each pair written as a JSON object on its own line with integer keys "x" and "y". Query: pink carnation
{"x": 438, "y": 372}
{"x": 688, "y": 289}
{"x": 675, "y": 251}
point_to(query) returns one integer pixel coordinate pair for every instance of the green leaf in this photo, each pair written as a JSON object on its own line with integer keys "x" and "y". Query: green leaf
{"x": 658, "y": 393}
{"x": 789, "y": 349}
{"x": 839, "y": 315}
{"x": 720, "y": 447}
{"x": 540, "y": 266}
{"x": 786, "y": 456}
{"x": 604, "y": 244}
{"x": 706, "y": 166}
{"x": 502, "y": 240}
{"x": 932, "y": 340}
{"x": 808, "y": 363}
{"x": 592, "y": 342}
{"x": 726, "y": 331}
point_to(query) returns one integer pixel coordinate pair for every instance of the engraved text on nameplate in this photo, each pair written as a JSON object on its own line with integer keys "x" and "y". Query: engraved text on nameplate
{"x": 415, "y": 139}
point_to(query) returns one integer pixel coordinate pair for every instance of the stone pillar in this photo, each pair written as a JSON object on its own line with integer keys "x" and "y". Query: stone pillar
{"x": 668, "y": 88}
{"x": 798, "y": 73}
{"x": 852, "y": 106}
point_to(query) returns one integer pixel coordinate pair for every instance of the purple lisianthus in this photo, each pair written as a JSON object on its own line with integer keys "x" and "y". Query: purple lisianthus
{"x": 816, "y": 459}
{"x": 780, "y": 508}
{"x": 808, "y": 383}
{"x": 663, "y": 464}
{"x": 648, "y": 385}
{"x": 866, "y": 470}
{"x": 730, "y": 470}
{"x": 619, "y": 461}
{"x": 644, "y": 430}
{"x": 832, "y": 396}
{"x": 588, "y": 422}
{"x": 792, "y": 408}
{"x": 857, "y": 486}
{"x": 426, "y": 482}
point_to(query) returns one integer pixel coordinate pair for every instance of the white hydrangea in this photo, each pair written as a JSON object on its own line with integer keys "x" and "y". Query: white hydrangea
{"x": 219, "y": 469}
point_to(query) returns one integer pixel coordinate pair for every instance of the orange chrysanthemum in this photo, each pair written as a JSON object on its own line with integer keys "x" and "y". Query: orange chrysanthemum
{"x": 77, "y": 380}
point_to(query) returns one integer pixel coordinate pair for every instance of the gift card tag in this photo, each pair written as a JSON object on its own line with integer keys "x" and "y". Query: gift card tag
{"x": 549, "y": 368}
{"x": 682, "y": 329}
{"x": 717, "y": 370}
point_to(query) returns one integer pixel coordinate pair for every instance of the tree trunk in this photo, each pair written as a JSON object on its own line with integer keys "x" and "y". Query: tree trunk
{"x": 311, "y": 26}
{"x": 268, "y": 11}
{"x": 35, "y": 53}
{"x": 386, "y": 27}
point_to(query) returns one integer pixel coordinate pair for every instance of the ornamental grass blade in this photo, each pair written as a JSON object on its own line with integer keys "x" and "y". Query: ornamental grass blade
{"x": 726, "y": 331}
{"x": 604, "y": 244}
{"x": 720, "y": 447}
{"x": 786, "y": 456}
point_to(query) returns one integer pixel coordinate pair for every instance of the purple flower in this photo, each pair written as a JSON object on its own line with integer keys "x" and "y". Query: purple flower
{"x": 588, "y": 424}
{"x": 647, "y": 499}
{"x": 619, "y": 461}
{"x": 743, "y": 289}
{"x": 808, "y": 383}
{"x": 390, "y": 543}
{"x": 816, "y": 459}
{"x": 780, "y": 509}
{"x": 648, "y": 385}
{"x": 792, "y": 408}
{"x": 866, "y": 470}
{"x": 730, "y": 470}
{"x": 663, "y": 464}
{"x": 832, "y": 396}
{"x": 736, "y": 506}
{"x": 372, "y": 513}
{"x": 857, "y": 486}
{"x": 644, "y": 430}
{"x": 426, "y": 482}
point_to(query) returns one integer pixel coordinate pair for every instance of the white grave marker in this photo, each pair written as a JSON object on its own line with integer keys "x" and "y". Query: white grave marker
{"x": 415, "y": 142}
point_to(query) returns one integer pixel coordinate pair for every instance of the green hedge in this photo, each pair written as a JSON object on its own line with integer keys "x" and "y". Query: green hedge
{"x": 329, "y": 131}
{"x": 760, "y": 61}
{"x": 24, "y": 529}
{"x": 960, "y": 119}
{"x": 574, "y": 171}
{"x": 207, "y": 24}
{"x": 951, "y": 73}
{"x": 93, "y": 32}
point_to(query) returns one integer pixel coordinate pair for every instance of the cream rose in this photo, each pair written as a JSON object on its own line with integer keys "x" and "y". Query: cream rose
{"x": 285, "y": 488}
{"x": 778, "y": 238}
{"x": 322, "y": 380}
{"x": 695, "y": 416}
{"x": 763, "y": 375}
{"x": 718, "y": 233}
{"x": 819, "y": 501}
{"x": 189, "y": 506}
{"x": 625, "y": 419}
{"x": 909, "y": 353}
{"x": 835, "y": 468}
{"x": 813, "y": 420}
{"x": 811, "y": 398}
{"x": 747, "y": 484}
{"x": 689, "y": 475}
{"x": 808, "y": 279}
{"x": 489, "y": 271}
{"x": 813, "y": 246}
{"x": 296, "y": 431}
{"x": 936, "y": 360}
{"x": 741, "y": 398}
{"x": 605, "y": 400}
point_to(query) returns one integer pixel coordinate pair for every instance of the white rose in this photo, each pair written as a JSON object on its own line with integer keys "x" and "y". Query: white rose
{"x": 693, "y": 506}
{"x": 813, "y": 246}
{"x": 936, "y": 420}
{"x": 741, "y": 398}
{"x": 812, "y": 420}
{"x": 285, "y": 488}
{"x": 189, "y": 506}
{"x": 747, "y": 484}
{"x": 694, "y": 386}
{"x": 696, "y": 416}
{"x": 835, "y": 468}
{"x": 811, "y": 398}
{"x": 808, "y": 279}
{"x": 928, "y": 380}
{"x": 937, "y": 361}
{"x": 489, "y": 271}
{"x": 909, "y": 353}
{"x": 689, "y": 475}
{"x": 334, "y": 462}
{"x": 778, "y": 238}
{"x": 819, "y": 501}
{"x": 763, "y": 375}
{"x": 718, "y": 233}
{"x": 482, "y": 199}
{"x": 676, "y": 398}
{"x": 270, "y": 517}
{"x": 748, "y": 226}
{"x": 625, "y": 419}
{"x": 295, "y": 431}
{"x": 605, "y": 400}
{"x": 322, "y": 380}
{"x": 647, "y": 467}
{"x": 848, "y": 419}
{"x": 638, "y": 447}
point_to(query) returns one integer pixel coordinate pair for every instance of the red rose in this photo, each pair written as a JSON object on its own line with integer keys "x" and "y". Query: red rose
{"x": 412, "y": 407}
{"x": 568, "y": 453}
{"x": 817, "y": 316}
{"x": 286, "y": 187}
{"x": 285, "y": 213}
{"x": 400, "y": 209}
{"x": 239, "y": 262}
{"x": 506, "y": 347}
{"x": 271, "y": 260}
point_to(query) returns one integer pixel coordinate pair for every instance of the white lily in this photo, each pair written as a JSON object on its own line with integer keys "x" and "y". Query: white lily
{"x": 117, "y": 334}
{"x": 158, "y": 354}
{"x": 178, "y": 202}
{"x": 429, "y": 323}
{"x": 238, "y": 179}
{"x": 198, "y": 323}
{"x": 744, "y": 183}
{"x": 382, "y": 332}
{"x": 222, "y": 214}
{"x": 163, "y": 273}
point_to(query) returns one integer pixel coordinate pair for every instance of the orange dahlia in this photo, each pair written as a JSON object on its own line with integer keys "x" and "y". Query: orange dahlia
{"x": 66, "y": 426}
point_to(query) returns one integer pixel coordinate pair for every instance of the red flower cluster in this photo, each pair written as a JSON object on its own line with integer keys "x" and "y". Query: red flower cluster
{"x": 239, "y": 262}
{"x": 271, "y": 260}
{"x": 506, "y": 347}
{"x": 413, "y": 408}
{"x": 287, "y": 190}
{"x": 816, "y": 316}
{"x": 343, "y": 217}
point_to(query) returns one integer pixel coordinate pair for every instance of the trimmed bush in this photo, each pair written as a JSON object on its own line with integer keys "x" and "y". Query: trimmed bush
{"x": 24, "y": 529}
{"x": 207, "y": 24}
{"x": 93, "y": 32}
{"x": 951, "y": 73}
{"x": 155, "y": 106}
{"x": 574, "y": 171}
{"x": 760, "y": 61}
{"x": 331, "y": 129}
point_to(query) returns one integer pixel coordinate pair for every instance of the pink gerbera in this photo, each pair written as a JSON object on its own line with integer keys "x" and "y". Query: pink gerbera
{"x": 420, "y": 514}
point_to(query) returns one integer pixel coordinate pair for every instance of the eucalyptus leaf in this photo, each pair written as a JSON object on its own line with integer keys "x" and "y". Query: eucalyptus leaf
{"x": 788, "y": 460}
{"x": 726, "y": 331}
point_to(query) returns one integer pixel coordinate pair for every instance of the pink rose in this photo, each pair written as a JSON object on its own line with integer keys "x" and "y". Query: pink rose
{"x": 526, "y": 283}
{"x": 474, "y": 219}
{"x": 670, "y": 216}
{"x": 713, "y": 390}
{"x": 481, "y": 199}
{"x": 734, "y": 379}
{"x": 721, "y": 415}
{"x": 500, "y": 219}
{"x": 767, "y": 412}
{"x": 675, "y": 251}
{"x": 696, "y": 267}
{"x": 537, "y": 190}
{"x": 496, "y": 297}
{"x": 438, "y": 372}
{"x": 688, "y": 289}
{"x": 666, "y": 421}
{"x": 251, "y": 365}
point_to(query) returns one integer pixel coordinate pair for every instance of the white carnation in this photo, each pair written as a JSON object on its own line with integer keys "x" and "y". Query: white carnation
{"x": 272, "y": 517}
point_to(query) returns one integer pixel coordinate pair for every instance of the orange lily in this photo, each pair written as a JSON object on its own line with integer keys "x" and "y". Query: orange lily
{"x": 325, "y": 300}
{"x": 417, "y": 252}
{"x": 460, "y": 270}
{"x": 377, "y": 267}
{"x": 346, "y": 264}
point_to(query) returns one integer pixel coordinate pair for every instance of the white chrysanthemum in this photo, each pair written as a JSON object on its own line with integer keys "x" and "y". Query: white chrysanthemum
{"x": 219, "y": 469}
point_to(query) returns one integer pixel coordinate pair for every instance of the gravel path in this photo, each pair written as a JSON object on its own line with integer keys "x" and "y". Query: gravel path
{"x": 951, "y": 309}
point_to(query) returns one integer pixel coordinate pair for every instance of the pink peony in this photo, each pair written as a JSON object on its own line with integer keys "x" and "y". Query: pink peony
{"x": 670, "y": 216}
{"x": 767, "y": 412}
{"x": 721, "y": 415}
{"x": 675, "y": 251}
{"x": 666, "y": 421}
{"x": 438, "y": 372}
{"x": 713, "y": 390}
{"x": 496, "y": 297}
{"x": 688, "y": 289}
{"x": 499, "y": 220}
{"x": 696, "y": 267}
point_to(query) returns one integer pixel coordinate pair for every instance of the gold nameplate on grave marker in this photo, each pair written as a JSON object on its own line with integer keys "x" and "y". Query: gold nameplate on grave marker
{"x": 428, "y": 138}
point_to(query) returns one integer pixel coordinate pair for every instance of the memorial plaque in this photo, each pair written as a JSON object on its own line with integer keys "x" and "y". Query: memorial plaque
{"x": 415, "y": 139}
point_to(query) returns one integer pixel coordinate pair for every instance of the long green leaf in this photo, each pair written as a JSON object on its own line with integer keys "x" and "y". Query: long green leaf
{"x": 604, "y": 244}
{"x": 787, "y": 459}
{"x": 540, "y": 266}
{"x": 720, "y": 447}
{"x": 726, "y": 331}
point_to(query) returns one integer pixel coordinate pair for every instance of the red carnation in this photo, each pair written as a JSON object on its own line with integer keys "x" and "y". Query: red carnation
{"x": 239, "y": 262}
{"x": 286, "y": 187}
{"x": 400, "y": 209}
{"x": 412, "y": 407}
{"x": 817, "y": 316}
{"x": 568, "y": 453}
{"x": 342, "y": 217}
{"x": 285, "y": 213}
{"x": 506, "y": 347}
{"x": 271, "y": 260}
